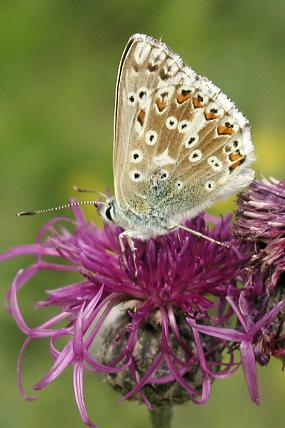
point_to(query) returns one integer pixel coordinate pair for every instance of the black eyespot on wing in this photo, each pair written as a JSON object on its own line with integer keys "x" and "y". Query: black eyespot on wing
{"x": 229, "y": 125}
{"x": 142, "y": 94}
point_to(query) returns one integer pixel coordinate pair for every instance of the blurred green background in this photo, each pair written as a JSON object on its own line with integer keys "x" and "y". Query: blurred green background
{"x": 58, "y": 70}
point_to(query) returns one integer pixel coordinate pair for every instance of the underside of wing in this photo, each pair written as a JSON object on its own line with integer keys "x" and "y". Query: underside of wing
{"x": 180, "y": 143}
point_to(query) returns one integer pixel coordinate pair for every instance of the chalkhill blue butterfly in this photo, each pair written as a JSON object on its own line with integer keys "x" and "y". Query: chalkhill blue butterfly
{"x": 180, "y": 143}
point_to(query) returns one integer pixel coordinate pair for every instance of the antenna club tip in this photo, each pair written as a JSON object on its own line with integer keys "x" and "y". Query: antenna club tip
{"x": 22, "y": 213}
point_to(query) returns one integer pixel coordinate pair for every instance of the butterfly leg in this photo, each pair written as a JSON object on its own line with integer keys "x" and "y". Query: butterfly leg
{"x": 128, "y": 236}
{"x": 199, "y": 234}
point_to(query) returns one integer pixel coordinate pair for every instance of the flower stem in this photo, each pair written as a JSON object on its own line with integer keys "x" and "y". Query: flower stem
{"x": 161, "y": 416}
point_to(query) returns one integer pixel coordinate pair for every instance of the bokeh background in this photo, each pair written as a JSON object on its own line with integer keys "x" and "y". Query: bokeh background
{"x": 58, "y": 65}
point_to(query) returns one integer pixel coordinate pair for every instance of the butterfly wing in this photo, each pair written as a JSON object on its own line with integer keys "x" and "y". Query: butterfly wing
{"x": 180, "y": 143}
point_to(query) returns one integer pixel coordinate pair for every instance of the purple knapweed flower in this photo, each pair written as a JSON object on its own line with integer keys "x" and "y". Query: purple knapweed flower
{"x": 261, "y": 223}
{"x": 160, "y": 330}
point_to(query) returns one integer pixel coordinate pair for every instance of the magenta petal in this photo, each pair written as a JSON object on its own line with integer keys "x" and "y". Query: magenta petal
{"x": 21, "y": 278}
{"x": 191, "y": 390}
{"x": 221, "y": 333}
{"x": 200, "y": 300}
{"x": 23, "y": 250}
{"x": 63, "y": 360}
{"x": 249, "y": 368}
{"x": 146, "y": 378}
{"x": 103, "y": 368}
{"x": 79, "y": 394}
{"x": 78, "y": 347}
{"x": 19, "y": 371}
{"x": 267, "y": 317}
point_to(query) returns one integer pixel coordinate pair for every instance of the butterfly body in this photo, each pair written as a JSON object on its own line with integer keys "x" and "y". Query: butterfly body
{"x": 179, "y": 143}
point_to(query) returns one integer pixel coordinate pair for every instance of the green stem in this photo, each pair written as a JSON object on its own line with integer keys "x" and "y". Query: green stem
{"x": 161, "y": 417}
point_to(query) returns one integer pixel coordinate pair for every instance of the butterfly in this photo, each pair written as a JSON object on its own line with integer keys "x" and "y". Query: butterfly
{"x": 179, "y": 143}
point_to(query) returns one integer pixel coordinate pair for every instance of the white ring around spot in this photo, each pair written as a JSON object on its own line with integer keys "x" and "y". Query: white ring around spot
{"x": 164, "y": 172}
{"x": 151, "y": 137}
{"x": 189, "y": 143}
{"x": 195, "y": 156}
{"x": 136, "y": 175}
{"x": 183, "y": 126}
{"x": 210, "y": 185}
{"x": 132, "y": 98}
{"x": 179, "y": 184}
{"x": 136, "y": 156}
{"x": 171, "y": 122}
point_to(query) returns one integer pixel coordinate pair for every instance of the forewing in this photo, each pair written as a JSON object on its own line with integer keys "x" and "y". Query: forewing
{"x": 180, "y": 143}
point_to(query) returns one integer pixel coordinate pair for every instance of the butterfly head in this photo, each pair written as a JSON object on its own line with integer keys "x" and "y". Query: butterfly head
{"x": 107, "y": 210}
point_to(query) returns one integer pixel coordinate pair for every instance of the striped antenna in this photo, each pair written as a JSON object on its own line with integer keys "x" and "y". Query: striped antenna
{"x": 61, "y": 207}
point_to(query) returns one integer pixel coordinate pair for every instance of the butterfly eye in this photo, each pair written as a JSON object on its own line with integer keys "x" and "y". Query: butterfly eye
{"x": 191, "y": 141}
{"x": 171, "y": 122}
{"x": 136, "y": 175}
{"x": 210, "y": 185}
{"x": 183, "y": 126}
{"x": 151, "y": 137}
{"x": 136, "y": 156}
{"x": 132, "y": 98}
{"x": 195, "y": 156}
{"x": 109, "y": 213}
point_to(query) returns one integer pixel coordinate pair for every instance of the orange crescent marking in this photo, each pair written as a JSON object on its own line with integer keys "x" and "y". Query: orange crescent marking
{"x": 197, "y": 103}
{"x": 161, "y": 105}
{"x": 224, "y": 130}
{"x": 141, "y": 117}
{"x": 211, "y": 116}
{"x": 181, "y": 98}
{"x": 237, "y": 164}
{"x": 235, "y": 156}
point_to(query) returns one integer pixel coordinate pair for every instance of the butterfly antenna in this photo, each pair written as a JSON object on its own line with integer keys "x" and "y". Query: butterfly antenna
{"x": 81, "y": 190}
{"x": 60, "y": 207}
{"x": 201, "y": 235}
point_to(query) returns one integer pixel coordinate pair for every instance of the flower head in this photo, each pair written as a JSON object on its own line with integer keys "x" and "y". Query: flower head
{"x": 176, "y": 316}
{"x": 261, "y": 223}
